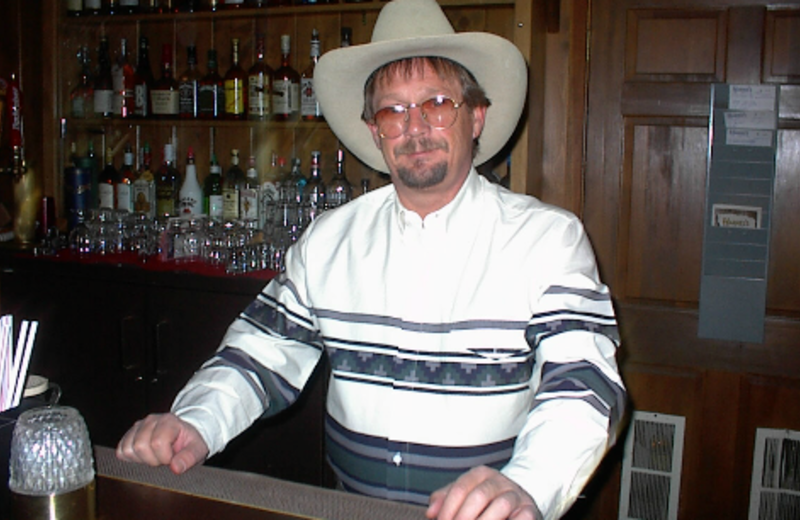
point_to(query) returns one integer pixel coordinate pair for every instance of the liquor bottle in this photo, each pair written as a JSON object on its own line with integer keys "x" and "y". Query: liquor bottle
{"x": 270, "y": 189}
{"x": 143, "y": 81}
{"x": 213, "y": 5}
{"x": 339, "y": 190}
{"x": 190, "y": 6}
{"x": 233, "y": 4}
{"x": 127, "y": 177}
{"x": 168, "y": 185}
{"x": 82, "y": 96}
{"x": 235, "y": 90}
{"x": 74, "y": 7}
{"x": 107, "y": 183}
{"x": 103, "y": 84}
{"x": 188, "y": 85}
{"x": 92, "y": 7}
{"x": 299, "y": 180}
{"x": 249, "y": 194}
{"x": 231, "y": 184}
{"x": 88, "y": 163}
{"x": 259, "y": 81}
{"x": 124, "y": 78}
{"x": 309, "y": 106}
{"x": 111, "y": 7}
{"x": 144, "y": 187}
{"x": 191, "y": 195}
{"x": 347, "y": 37}
{"x": 285, "y": 86}
{"x": 315, "y": 189}
{"x": 212, "y": 190}
{"x": 128, "y": 6}
{"x": 164, "y": 97}
{"x": 167, "y": 6}
{"x": 211, "y": 93}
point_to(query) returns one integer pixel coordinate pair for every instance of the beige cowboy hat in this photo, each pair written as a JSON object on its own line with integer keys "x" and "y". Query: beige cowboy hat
{"x": 408, "y": 28}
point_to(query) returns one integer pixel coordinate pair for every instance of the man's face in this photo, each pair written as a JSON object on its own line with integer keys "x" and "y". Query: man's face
{"x": 424, "y": 159}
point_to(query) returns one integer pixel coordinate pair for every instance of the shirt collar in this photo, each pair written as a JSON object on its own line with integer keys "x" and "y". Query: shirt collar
{"x": 445, "y": 217}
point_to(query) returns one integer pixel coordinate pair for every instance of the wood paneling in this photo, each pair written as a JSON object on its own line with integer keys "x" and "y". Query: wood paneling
{"x": 782, "y": 46}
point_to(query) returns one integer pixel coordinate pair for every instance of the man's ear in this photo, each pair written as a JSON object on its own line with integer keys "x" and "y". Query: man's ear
{"x": 373, "y": 129}
{"x": 478, "y": 120}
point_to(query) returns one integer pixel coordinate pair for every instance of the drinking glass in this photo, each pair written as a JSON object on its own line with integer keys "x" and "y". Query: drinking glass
{"x": 51, "y": 468}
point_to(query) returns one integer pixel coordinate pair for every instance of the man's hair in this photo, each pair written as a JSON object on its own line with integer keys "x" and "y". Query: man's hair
{"x": 472, "y": 94}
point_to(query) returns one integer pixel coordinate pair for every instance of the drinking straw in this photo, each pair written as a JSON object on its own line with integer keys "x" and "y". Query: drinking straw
{"x": 5, "y": 358}
{"x": 11, "y": 382}
{"x": 22, "y": 374}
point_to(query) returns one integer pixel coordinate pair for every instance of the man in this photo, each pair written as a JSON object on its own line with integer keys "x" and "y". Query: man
{"x": 471, "y": 342}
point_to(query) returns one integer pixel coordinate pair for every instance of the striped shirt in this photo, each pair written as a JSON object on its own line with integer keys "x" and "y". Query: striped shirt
{"x": 479, "y": 335}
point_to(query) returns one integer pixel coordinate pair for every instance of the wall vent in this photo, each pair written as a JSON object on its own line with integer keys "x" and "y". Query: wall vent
{"x": 651, "y": 467}
{"x": 775, "y": 484}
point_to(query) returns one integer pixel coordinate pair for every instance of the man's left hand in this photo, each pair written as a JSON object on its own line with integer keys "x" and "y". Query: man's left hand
{"x": 482, "y": 493}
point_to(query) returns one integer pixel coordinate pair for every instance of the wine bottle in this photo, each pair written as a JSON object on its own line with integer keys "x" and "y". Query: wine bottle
{"x": 235, "y": 90}
{"x": 309, "y": 106}
{"x": 107, "y": 183}
{"x": 212, "y": 190}
{"x": 285, "y": 86}
{"x": 231, "y": 184}
{"x": 189, "y": 85}
{"x": 339, "y": 190}
{"x": 82, "y": 96}
{"x": 103, "y": 83}
{"x": 259, "y": 81}
{"x": 211, "y": 93}
{"x": 124, "y": 79}
{"x": 143, "y": 81}
{"x": 167, "y": 185}
{"x": 165, "y": 97}
{"x": 125, "y": 181}
{"x": 144, "y": 187}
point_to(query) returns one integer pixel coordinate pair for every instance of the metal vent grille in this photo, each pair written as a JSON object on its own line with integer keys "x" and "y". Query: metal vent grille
{"x": 651, "y": 467}
{"x": 775, "y": 484}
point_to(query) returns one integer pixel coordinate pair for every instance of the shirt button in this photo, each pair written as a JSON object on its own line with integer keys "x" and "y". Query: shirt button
{"x": 397, "y": 459}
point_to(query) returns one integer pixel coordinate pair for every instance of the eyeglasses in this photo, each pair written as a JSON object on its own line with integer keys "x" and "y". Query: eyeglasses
{"x": 440, "y": 112}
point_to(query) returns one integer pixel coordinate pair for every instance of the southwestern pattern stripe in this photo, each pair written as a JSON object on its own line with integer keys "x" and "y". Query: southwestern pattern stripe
{"x": 267, "y": 315}
{"x": 401, "y": 470}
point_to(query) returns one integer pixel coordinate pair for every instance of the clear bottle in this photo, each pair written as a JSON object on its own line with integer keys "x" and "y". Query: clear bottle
{"x": 144, "y": 187}
{"x": 165, "y": 97}
{"x": 235, "y": 89}
{"x": 143, "y": 81}
{"x": 285, "y": 86}
{"x": 82, "y": 96}
{"x": 299, "y": 180}
{"x": 212, "y": 190}
{"x": 309, "y": 106}
{"x": 315, "y": 189}
{"x": 211, "y": 93}
{"x": 103, "y": 83}
{"x": 189, "y": 85}
{"x": 168, "y": 183}
{"x": 127, "y": 176}
{"x": 259, "y": 81}
{"x": 231, "y": 184}
{"x": 124, "y": 78}
{"x": 107, "y": 183}
{"x": 191, "y": 194}
{"x": 340, "y": 191}
{"x": 250, "y": 193}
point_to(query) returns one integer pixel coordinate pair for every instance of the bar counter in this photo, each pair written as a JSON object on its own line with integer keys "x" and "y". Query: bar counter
{"x": 127, "y": 491}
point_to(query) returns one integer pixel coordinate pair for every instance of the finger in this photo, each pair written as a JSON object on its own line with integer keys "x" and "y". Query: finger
{"x": 165, "y": 433}
{"x": 453, "y": 502}
{"x": 191, "y": 450}
{"x": 435, "y": 502}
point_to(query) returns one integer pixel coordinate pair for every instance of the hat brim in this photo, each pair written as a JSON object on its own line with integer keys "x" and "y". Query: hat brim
{"x": 496, "y": 63}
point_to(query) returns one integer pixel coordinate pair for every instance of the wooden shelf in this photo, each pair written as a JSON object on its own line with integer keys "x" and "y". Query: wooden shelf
{"x": 100, "y": 124}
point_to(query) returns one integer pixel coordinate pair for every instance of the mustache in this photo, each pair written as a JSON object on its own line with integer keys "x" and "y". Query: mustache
{"x": 424, "y": 144}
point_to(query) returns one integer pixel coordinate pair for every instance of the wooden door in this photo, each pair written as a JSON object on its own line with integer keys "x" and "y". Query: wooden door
{"x": 651, "y": 65}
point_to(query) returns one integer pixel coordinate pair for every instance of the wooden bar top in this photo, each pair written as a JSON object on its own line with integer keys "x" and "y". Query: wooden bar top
{"x": 127, "y": 491}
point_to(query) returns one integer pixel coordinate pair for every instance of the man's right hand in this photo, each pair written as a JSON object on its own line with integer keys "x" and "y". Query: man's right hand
{"x": 163, "y": 439}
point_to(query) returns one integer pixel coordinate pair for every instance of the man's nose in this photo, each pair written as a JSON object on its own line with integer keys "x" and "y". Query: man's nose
{"x": 417, "y": 124}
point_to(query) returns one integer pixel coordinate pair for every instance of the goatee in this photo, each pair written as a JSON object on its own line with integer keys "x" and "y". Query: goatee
{"x": 421, "y": 175}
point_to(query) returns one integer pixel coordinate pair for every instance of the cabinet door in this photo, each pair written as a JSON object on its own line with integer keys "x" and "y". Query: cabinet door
{"x": 101, "y": 351}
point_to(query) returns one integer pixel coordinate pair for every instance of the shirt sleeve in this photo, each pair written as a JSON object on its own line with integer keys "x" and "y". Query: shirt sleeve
{"x": 579, "y": 398}
{"x": 263, "y": 362}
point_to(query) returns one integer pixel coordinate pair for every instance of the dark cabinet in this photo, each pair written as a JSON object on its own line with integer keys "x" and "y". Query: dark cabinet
{"x": 122, "y": 341}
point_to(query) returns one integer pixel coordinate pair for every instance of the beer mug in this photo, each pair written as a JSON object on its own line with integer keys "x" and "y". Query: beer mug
{"x": 51, "y": 467}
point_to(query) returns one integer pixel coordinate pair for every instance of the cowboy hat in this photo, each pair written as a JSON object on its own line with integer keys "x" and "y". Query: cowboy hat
{"x": 409, "y": 28}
